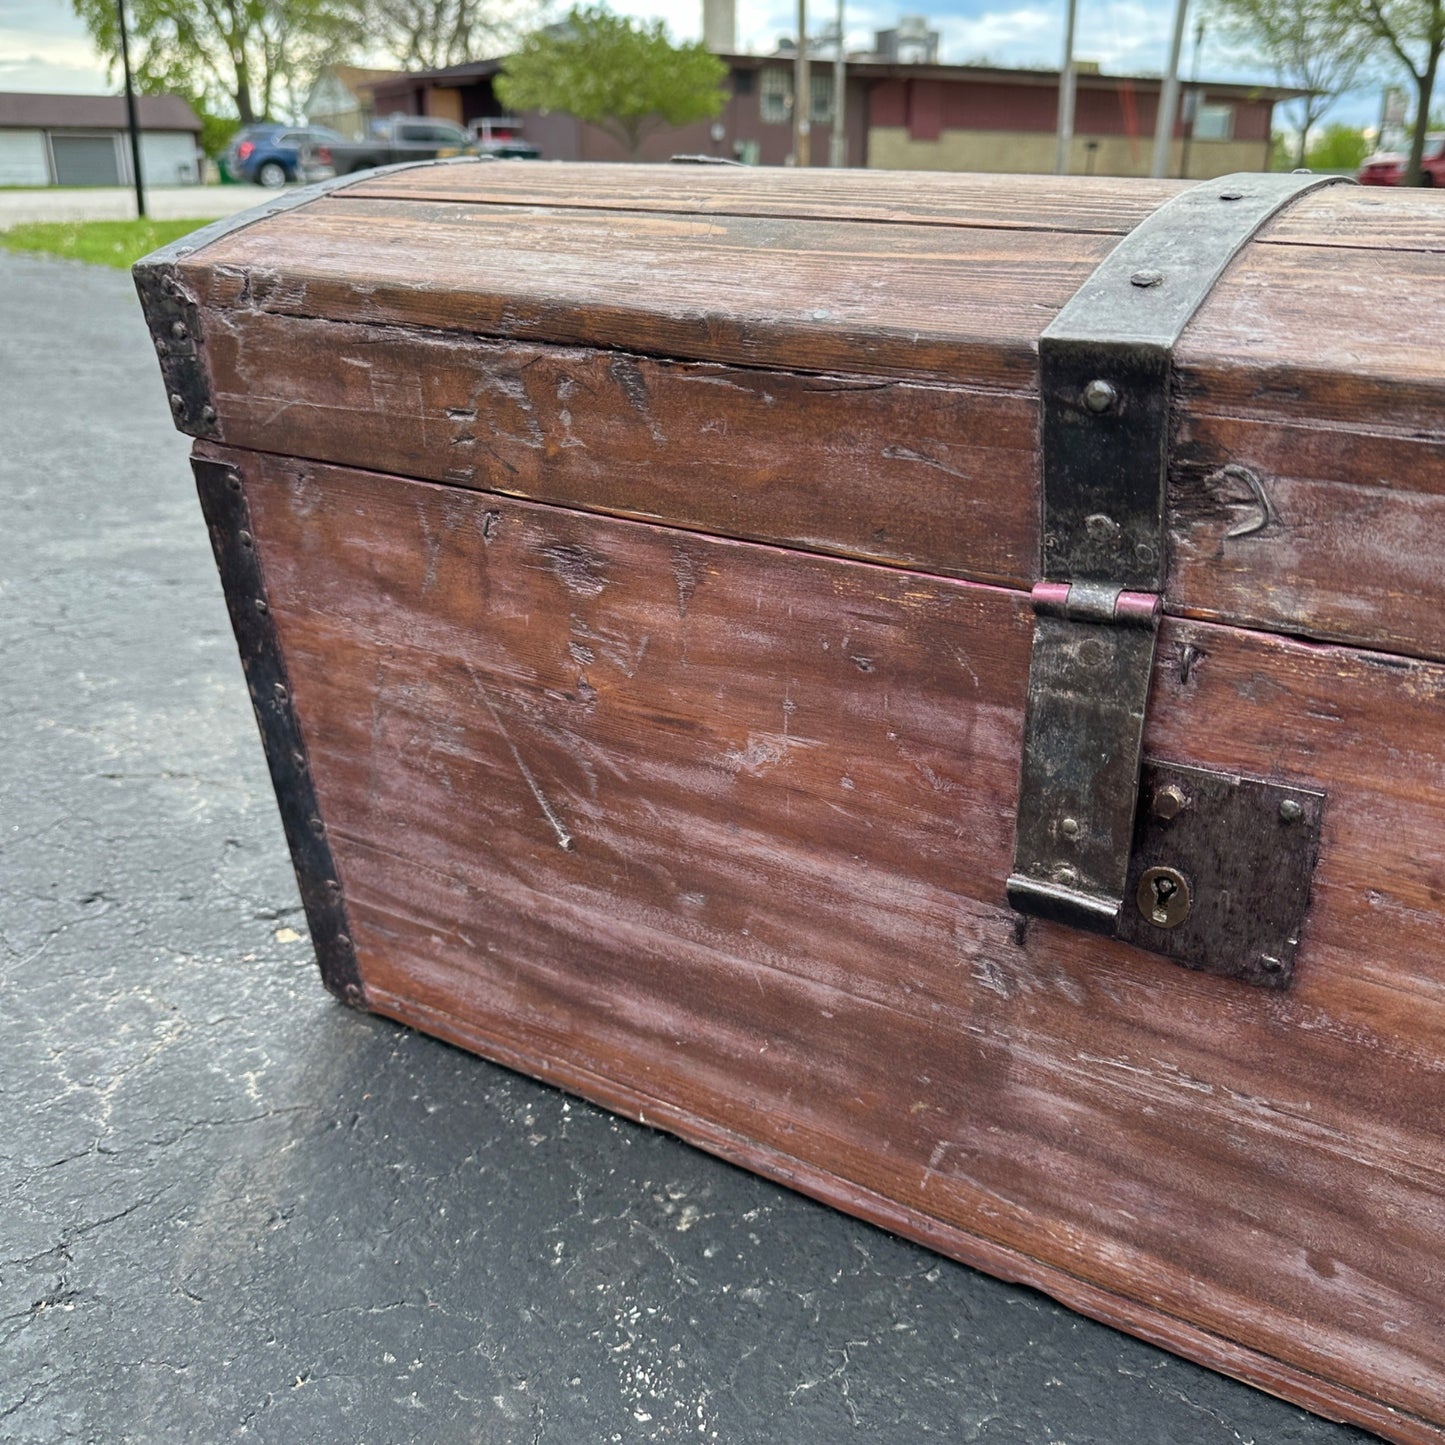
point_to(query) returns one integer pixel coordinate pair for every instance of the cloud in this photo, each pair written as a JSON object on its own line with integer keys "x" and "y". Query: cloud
{"x": 44, "y": 48}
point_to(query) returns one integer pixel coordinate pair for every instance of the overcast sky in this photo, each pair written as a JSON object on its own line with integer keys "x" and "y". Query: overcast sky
{"x": 44, "y": 47}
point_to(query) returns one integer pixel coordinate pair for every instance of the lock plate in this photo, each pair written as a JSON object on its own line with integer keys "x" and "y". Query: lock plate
{"x": 1245, "y": 852}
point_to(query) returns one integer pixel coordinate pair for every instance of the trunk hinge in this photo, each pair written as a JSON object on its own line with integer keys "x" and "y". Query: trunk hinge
{"x": 1105, "y": 367}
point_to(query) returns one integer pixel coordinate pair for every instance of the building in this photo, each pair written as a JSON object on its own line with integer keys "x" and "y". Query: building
{"x": 902, "y": 115}
{"x": 81, "y": 140}
{"x": 343, "y": 99}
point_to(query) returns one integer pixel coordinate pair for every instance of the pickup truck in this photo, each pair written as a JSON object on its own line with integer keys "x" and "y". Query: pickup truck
{"x": 402, "y": 138}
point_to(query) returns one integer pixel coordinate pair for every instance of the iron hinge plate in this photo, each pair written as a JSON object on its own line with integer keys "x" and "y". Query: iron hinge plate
{"x": 1105, "y": 377}
{"x": 1245, "y": 851}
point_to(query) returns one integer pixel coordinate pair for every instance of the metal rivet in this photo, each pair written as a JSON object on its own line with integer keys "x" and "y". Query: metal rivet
{"x": 280, "y": 690}
{"x": 1231, "y": 195}
{"x": 343, "y": 940}
{"x": 316, "y": 825}
{"x": 245, "y": 539}
{"x": 1102, "y": 528}
{"x": 261, "y": 605}
{"x": 1070, "y": 828}
{"x": 178, "y": 330}
{"x": 233, "y": 480}
{"x": 1271, "y": 964}
{"x": 177, "y": 402}
{"x": 1144, "y": 552}
{"x": 1163, "y": 897}
{"x": 1290, "y": 811}
{"x": 1146, "y": 279}
{"x": 1099, "y": 396}
{"x": 1065, "y": 874}
{"x": 1169, "y": 802}
{"x": 208, "y": 413}
{"x": 298, "y": 757}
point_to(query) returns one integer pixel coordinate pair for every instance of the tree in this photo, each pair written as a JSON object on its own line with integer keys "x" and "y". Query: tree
{"x": 1411, "y": 32}
{"x": 430, "y": 34}
{"x": 254, "y": 52}
{"x": 624, "y": 76}
{"x": 1312, "y": 45}
{"x": 1340, "y": 148}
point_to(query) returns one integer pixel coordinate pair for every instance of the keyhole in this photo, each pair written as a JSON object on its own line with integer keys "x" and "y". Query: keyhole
{"x": 1164, "y": 890}
{"x": 1163, "y": 897}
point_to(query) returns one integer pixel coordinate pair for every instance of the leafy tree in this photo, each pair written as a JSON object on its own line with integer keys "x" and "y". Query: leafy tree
{"x": 430, "y": 34}
{"x": 1340, "y": 148}
{"x": 257, "y": 53}
{"x": 1411, "y": 32}
{"x": 624, "y": 76}
{"x": 1312, "y": 45}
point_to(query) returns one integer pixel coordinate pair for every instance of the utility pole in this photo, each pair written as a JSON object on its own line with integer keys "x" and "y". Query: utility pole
{"x": 802, "y": 94}
{"x": 838, "y": 156}
{"x": 1191, "y": 101}
{"x": 1065, "y": 144}
{"x": 1169, "y": 95}
{"x": 130, "y": 120}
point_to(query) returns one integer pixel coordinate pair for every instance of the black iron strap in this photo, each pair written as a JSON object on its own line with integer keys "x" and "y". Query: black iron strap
{"x": 1105, "y": 366}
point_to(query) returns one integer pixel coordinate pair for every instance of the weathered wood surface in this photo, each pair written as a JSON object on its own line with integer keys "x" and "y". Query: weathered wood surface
{"x": 717, "y": 834}
{"x": 862, "y": 387}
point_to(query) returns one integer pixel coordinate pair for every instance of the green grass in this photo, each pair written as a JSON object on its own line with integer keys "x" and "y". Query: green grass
{"x": 102, "y": 243}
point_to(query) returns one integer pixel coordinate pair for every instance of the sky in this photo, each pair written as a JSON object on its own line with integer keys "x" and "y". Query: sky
{"x": 44, "y": 47}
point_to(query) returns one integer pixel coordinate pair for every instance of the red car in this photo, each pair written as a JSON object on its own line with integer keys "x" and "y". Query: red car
{"x": 1387, "y": 168}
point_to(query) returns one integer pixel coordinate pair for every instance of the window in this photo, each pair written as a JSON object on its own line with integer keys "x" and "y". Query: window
{"x": 821, "y": 112}
{"x": 1214, "y": 122}
{"x": 775, "y": 99}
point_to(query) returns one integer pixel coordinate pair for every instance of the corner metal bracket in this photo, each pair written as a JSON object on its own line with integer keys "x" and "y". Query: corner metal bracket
{"x": 228, "y": 518}
{"x": 172, "y": 315}
{"x": 1105, "y": 374}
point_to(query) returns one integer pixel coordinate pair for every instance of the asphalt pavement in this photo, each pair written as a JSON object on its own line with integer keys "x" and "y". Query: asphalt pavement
{"x": 235, "y": 1210}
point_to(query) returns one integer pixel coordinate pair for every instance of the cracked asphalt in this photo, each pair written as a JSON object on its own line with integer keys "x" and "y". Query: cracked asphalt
{"x": 235, "y": 1210}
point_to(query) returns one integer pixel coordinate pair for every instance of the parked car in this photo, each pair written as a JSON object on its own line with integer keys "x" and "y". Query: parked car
{"x": 501, "y": 136}
{"x": 402, "y": 138}
{"x": 270, "y": 155}
{"x": 1387, "y": 168}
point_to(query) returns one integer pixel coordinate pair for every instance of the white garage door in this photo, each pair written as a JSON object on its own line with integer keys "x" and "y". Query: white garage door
{"x": 86, "y": 160}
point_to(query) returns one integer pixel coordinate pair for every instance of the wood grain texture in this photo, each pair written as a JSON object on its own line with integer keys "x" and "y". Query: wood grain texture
{"x": 1346, "y": 216}
{"x": 1342, "y": 540}
{"x": 1029, "y": 203}
{"x": 863, "y": 387}
{"x": 717, "y": 833}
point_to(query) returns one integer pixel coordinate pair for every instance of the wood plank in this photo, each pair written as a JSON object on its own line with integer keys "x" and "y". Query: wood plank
{"x": 1377, "y": 218}
{"x": 908, "y": 301}
{"x": 940, "y": 479}
{"x": 1105, "y": 205}
{"x": 728, "y": 827}
{"x": 917, "y": 475}
{"x": 895, "y": 300}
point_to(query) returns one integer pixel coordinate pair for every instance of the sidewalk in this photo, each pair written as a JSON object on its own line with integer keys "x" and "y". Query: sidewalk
{"x": 117, "y": 203}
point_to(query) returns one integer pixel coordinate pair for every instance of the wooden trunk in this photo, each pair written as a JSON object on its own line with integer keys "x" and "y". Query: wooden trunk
{"x": 632, "y": 568}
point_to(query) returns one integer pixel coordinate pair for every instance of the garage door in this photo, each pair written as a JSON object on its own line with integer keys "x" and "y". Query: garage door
{"x": 86, "y": 160}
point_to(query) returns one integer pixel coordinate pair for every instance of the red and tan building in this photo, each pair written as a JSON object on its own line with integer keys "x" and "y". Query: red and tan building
{"x": 900, "y": 116}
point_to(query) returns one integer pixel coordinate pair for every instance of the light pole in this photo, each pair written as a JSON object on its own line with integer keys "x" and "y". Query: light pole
{"x": 1169, "y": 96}
{"x": 1065, "y": 140}
{"x": 130, "y": 120}
{"x": 802, "y": 94}
{"x": 839, "y": 152}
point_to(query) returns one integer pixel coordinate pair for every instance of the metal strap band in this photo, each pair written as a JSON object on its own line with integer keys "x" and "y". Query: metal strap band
{"x": 1104, "y": 373}
{"x": 1105, "y": 367}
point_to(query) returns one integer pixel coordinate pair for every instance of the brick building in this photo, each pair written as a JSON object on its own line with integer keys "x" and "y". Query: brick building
{"x": 900, "y": 116}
